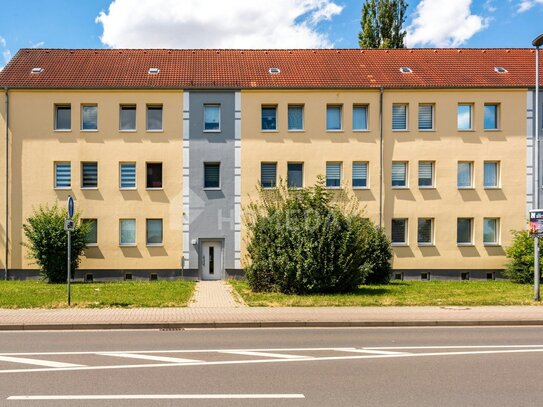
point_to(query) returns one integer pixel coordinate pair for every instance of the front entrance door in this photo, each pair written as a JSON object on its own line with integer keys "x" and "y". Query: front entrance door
{"x": 211, "y": 260}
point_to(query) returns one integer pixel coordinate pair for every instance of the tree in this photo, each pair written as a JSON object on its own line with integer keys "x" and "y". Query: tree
{"x": 311, "y": 240}
{"x": 520, "y": 267}
{"x": 381, "y": 23}
{"x": 47, "y": 241}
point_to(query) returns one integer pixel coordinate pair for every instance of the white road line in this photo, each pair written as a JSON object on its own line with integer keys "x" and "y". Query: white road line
{"x": 149, "y": 357}
{"x": 267, "y": 354}
{"x": 456, "y": 347}
{"x": 256, "y": 361}
{"x": 159, "y": 396}
{"x": 374, "y": 352}
{"x": 37, "y": 362}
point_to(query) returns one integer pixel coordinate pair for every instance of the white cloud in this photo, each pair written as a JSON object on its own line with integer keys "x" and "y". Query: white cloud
{"x": 6, "y": 53}
{"x": 216, "y": 23}
{"x": 526, "y": 5}
{"x": 37, "y": 44}
{"x": 444, "y": 23}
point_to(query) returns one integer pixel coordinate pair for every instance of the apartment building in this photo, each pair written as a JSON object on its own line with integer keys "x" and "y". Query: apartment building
{"x": 162, "y": 150}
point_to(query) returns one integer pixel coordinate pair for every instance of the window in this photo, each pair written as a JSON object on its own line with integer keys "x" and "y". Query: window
{"x": 89, "y": 175}
{"x": 127, "y": 233}
{"x": 268, "y": 175}
{"x": 333, "y": 117}
{"x": 154, "y": 232}
{"x": 154, "y": 117}
{"x": 127, "y": 119}
{"x": 295, "y": 117}
{"x": 465, "y": 119}
{"x": 63, "y": 175}
{"x": 89, "y": 117}
{"x": 295, "y": 175}
{"x": 491, "y": 116}
{"x": 154, "y": 176}
{"x": 426, "y": 174}
{"x": 269, "y": 117}
{"x": 212, "y": 175}
{"x": 399, "y": 174}
{"x": 127, "y": 175}
{"x": 399, "y": 117}
{"x": 333, "y": 175}
{"x": 464, "y": 231}
{"x": 212, "y": 117}
{"x": 426, "y": 117}
{"x": 399, "y": 232}
{"x": 360, "y": 175}
{"x": 425, "y": 231}
{"x": 465, "y": 170}
{"x": 491, "y": 231}
{"x": 92, "y": 235}
{"x": 360, "y": 117}
{"x": 63, "y": 117}
{"x": 492, "y": 174}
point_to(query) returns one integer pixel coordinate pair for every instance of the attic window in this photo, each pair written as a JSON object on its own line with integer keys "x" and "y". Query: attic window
{"x": 274, "y": 70}
{"x": 500, "y": 69}
{"x": 153, "y": 71}
{"x": 37, "y": 70}
{"x": 405, "y": 69}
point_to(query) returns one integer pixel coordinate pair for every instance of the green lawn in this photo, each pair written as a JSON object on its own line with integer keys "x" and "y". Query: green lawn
{"x": 38, "y": 294}
{"x": 401, "y": 293}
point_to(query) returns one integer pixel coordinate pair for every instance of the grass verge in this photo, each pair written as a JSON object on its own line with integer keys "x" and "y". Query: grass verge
{"x": 397, "y": 293}
{"x": 129, "y": 294}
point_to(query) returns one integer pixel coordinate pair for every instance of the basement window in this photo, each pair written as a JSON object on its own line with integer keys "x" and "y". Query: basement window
{"x": 153, "y": 71}
{"x": 500, "y": 69}
{"x": 274, "y": 70}
{"x": 405, "y": 69}
{"x": 37, "y": 70}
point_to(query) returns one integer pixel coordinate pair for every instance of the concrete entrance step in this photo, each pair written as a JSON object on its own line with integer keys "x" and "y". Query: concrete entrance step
{"x": 215, "y": 294}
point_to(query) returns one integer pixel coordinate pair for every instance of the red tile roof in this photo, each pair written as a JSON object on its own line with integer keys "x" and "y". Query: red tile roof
{"x": 300, "y": 68}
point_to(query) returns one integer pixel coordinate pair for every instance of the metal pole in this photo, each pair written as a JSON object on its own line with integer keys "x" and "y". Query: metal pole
{"x": 69, "y": 262}
{"x": 6, "y": 229}
{"x": 536, "y": 175}
{"x": 381, "y": 158}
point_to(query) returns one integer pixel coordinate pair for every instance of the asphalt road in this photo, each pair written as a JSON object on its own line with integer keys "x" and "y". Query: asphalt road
{"x": 467, "y": 366}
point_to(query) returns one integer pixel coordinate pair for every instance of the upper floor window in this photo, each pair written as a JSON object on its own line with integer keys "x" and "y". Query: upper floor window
{"x": 399, "y": 117}
{"x": 465, "y": 172}
{"x": 63, "y": 175}
{"x": 398, "y": 233}
{"x": 464, "y": 231}
{"x": 212, "y": 117}
{"x": 399, "y": 174}
{"x": 154, "y": 232}
{"x": 333, "y": 117}
{"x": 465, "y": 116}
{"x": 154, "y": 117}
{"x": 212, "y": 175}
{"x": 127, "y": 175}
{"x": 269, "y": 118}
{"x": 425, "y": 231}
{"x": 491, "y": 116}
{"x": 360, "y": 117}
{"x": 127, "y": 119}
{"x": 154, "y": 176}
{"x": 491, "y": 231}
{"x": 268, "y": 175}
{"x": 295, "y": 117}
{"x": 295, "y": 175}
{"x": 491, "y": 174}
{"x": 426, "y": 117}
{"x": 426, "y": 174}
{"x": 89, "y": 117}
{"x": 333, "y": 175}
{"x": 89, "y": 175}
{"x": 63, "y": 117}
{"x": 92, "y": 235}
{"x": 127, "y": 232}
{"x": 360, "y": 175}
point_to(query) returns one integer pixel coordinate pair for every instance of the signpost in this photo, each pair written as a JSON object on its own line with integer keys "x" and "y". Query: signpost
{"x": 69, "y": 227}
{"x": 536, "y": 230}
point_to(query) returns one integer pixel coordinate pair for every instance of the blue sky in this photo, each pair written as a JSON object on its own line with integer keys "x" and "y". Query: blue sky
{"x": 250, "y": 24}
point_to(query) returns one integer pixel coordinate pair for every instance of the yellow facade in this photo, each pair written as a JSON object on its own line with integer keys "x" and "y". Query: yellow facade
{"x": 445, "y": 145}
{"x": 36, "y": 146}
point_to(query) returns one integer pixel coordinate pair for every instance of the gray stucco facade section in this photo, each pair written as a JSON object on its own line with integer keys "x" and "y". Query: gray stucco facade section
{"x": 212, "y": 214}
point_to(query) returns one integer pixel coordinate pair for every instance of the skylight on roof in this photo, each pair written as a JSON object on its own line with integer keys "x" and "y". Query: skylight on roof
{"x": 274, "y": 70}
{"x": 405, "y": 69}
{"x": 37, "y": 70}
{"x": 153, "y": 71}
{"x": 500, "y": 69}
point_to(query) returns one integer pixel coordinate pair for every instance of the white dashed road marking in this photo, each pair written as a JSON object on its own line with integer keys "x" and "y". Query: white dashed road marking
{"x": 160, "y": 397}
{"x": 37, "y": 362}
{"x": 150, "y": 357}
{"x": 266, "y": 354}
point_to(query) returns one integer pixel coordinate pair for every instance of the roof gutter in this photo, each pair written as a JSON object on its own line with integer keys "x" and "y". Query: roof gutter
{"x": 7, "y": 186}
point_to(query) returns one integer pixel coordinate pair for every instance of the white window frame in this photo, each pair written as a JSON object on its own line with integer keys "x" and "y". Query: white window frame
{"x": 498, "y": 116}
{"x": 125, "y": 105}
{"x": 83, "y": 175}
{"x": 276, "y": 108}
{"x": 406, "y": 106}
{"x": 340, "y": 107}
{"x": 470, "y": 243}
{"x": 135, "y": 243}
{"x": 367, "y": 107}
{"x": 433, "y": 110}
{"x": 161, "y": 243}
{"x": 406, "y": 173}
{"x": 62, "y": 105}
{"x": 302, "y": 107}
{"x": 55, "y": 186}
{"x": 83, "y": 106}
{"x": 471, "y": 118}
{"x": 215, "y": 105}
{"x": 154, "y": 106}
{"x": 204, "y": 175}
{"x": 498, "y": 234}
{"x": 432, "y": 223}
{"x": 471, "y": 173}
{"x": 406, "y": 233}
{"x": 92, "y": 244}
{"x": 340, "y": 164}
{"x": 275, "y": 180}
{"x": 147, "y": 187}
{"x": 135, "y": 175}
{"x": 303, "y": 174}
{"x": 367, "y": 175}
{"x": 433, "y": 181}
{"x": 498, "y": 174}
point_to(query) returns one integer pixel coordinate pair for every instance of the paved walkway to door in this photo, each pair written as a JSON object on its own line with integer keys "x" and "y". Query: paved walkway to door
{"x": 215, "y": 294}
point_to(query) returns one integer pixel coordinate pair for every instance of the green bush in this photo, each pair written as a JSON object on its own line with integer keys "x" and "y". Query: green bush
{"x": 377, "y": 255}
{"x": 520, "y": 267}
{"x": 47, "y": 242}
{"x": 311, "y": 240}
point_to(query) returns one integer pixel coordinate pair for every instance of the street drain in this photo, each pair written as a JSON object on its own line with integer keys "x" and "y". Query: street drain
{"x": 172, "y": 329}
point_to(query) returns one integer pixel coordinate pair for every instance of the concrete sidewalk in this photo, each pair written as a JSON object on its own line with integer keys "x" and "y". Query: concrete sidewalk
{"x": 172, "y": 318}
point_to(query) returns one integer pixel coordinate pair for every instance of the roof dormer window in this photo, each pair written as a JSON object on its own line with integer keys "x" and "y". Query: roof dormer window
{"x": 405, "y": 69}
{"x": 274, "y": 70}
{"x": 500, "y": 69}
{"x": 153, "y": 71}
{"x": 37, "y": 70}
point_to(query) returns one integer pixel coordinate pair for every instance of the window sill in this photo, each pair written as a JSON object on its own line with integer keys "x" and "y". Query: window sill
{"x": 492, "y": 188}
{"x": 466, "y": 130}
{"x": 212, "y": 131}
{"x": 212, "y": 189}
{"x": 269, "y": 188}
{"x": 269, "y": 131}
{"x": 62, "y": 130}
{"x": 399, "y": 244}
{"x": 465, "y": 244}
{"x": 334, "y": 188}
{"x": 427, "y": 188}
{"x": 334, "y": 131}
{"x": 89, "y": 188}
{"x": 427, "y": 130}
{"x": 400, "y": 130}
{"x": 127, "y": 245}
{"x": 361, "y": 188}
{"x": 62, "y": 188}
{"x": 154, "y": 189}
{"x": 492, "y": 130}
{"x": 296, "y": 130}
{"x": 128, "y": 131}
{"x": 405, "y": 187}
{"x": 155, "y": 245}
{"x": 361, "y": 130}
{"x": 425, "y": 244}
{"x": 89, "y": 130}
{"x": 466, "y": 188}
{"x": 128, "y": 189}
{"x": 154, "y": 131}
